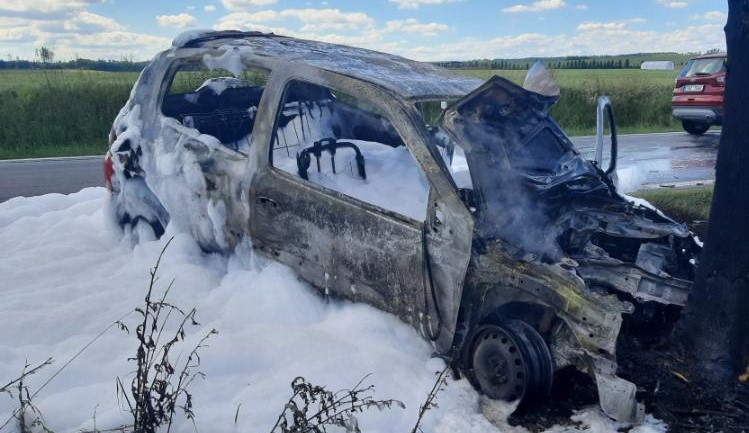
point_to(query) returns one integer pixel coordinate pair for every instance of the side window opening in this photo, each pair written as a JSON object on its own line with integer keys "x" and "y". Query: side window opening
{"x": 346, "y": 144}
{"x": 216, "y": 103}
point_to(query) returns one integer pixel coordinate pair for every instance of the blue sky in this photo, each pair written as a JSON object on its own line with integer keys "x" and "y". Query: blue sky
{"x": 420, "y": 29}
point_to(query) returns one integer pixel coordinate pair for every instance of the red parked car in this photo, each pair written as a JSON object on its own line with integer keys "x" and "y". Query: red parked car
{"x": 698, "y": 94}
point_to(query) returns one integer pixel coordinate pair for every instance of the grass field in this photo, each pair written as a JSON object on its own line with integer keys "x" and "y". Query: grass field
{"x": 682, "y": 204}
{"x": 686, "y": 205}
{"x": 59, "y": 113}
{"x": 69, "y": 112}
{"x": 642, "y": 99}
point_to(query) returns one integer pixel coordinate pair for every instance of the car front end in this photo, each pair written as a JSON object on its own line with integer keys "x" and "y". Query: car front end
{"x": 555, "y": 244}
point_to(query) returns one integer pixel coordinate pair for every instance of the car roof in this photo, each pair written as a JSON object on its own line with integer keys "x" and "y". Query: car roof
{"x": 408, "y": 78}
{"x": 711, "y": 56}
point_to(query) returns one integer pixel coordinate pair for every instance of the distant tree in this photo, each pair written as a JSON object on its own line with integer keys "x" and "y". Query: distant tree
{"x": 626, "y": 63}
{"x": 44, "y": 54}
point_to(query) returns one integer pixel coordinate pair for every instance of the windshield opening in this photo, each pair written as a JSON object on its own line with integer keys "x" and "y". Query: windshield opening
{"x": 540, "y": 155}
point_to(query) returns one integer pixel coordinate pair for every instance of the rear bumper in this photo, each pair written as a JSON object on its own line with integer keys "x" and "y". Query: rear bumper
{"x": 709, "y": 115}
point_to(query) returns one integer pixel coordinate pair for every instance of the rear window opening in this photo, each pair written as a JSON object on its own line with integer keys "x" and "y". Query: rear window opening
{"x": 216, "y": 103}
{"x": 703, "y": 67}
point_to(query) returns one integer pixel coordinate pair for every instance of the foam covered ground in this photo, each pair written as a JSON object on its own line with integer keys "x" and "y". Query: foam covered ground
{"x": 66, "y": 274}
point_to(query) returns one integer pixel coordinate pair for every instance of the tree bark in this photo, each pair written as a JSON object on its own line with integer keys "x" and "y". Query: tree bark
{"x": 716, "y": 321}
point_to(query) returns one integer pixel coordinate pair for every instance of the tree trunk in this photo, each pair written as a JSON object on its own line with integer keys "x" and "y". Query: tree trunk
{"x": 716, "y": 322}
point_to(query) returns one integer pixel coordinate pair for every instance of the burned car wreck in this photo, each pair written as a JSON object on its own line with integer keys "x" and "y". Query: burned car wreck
{"x": 459, "y": 206}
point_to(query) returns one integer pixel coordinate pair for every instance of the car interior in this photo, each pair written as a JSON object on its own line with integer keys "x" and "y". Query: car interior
{"x": 341, "y": 143}
{"x": 216, "y": 103}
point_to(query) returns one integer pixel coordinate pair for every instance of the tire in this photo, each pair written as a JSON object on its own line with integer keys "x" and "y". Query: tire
{"x": 695, "y": 128}
{"x": 132, "y": 223}
{"x": 510, "y": 361}
{"x": 134, "y": 205}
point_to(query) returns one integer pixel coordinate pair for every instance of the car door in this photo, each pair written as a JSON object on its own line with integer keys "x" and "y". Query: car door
{"x": 343, "y": 244}
{"x": 206, "y": 135}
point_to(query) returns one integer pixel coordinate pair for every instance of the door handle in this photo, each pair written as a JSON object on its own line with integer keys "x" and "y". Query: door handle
{"x": 265, "y": 201}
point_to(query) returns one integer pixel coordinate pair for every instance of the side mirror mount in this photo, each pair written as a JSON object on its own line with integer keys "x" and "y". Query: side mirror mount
{"x": 606, "y": 111}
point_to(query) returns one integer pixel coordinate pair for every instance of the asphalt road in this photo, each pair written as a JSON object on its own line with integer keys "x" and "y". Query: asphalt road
{"x": 665, "y": 159}
{"x": 29, "y": 177}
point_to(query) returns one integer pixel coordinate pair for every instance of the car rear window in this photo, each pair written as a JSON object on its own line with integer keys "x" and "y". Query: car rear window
{"x": 703, "y": 67}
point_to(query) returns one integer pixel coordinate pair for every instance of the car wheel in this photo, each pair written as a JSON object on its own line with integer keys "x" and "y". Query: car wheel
{"x": 511, "y": 361}
{"x": 695, "y": 128}
{"x": 137, "y": 223}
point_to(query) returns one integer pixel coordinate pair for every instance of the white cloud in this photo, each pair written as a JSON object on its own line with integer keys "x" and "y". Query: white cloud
{"x": 16, "y": 35}
{"x": 711, "y": 16}
{"x": 414, "y": 4}
{"x": 538, "y": 6}
{"x": 673, "y": 4}
{"x": 70, "y": 30}
{"x": 87, "y": 22}
{"x": 329, "y": 19}
{"x": 238, "y": 5}
{"x": 44, "y": 6}
{"x": 582, "y": 7}
{"x": 413, "y": 26}
{"x": 177, "y": 21}
{"x": 242, "y": 17}
{"x": 251, "y": 21}
{"x": 592, "y": 39}
{"x": 594, "y": 25}
{"x": 248, "y": 21}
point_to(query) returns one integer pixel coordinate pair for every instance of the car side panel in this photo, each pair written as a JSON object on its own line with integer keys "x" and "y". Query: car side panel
{"x": 339, "y": 245}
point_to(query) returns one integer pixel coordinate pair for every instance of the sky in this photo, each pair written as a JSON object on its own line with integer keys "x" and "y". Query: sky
{"x": 420, "y": 29}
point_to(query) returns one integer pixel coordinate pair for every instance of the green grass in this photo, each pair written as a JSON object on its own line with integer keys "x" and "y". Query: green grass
{"x": 682, "y": 204}
{"x": 47, "y": 151}
{"x": 21, "y": 79}
{"x": 57, "y": 113}
{"x": 69, "y": 112}
{"x": 642, "y": 99}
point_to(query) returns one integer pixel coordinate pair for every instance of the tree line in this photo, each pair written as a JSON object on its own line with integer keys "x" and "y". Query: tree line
{"x": 570, "y": 63}
{"x": 87, "y": 64}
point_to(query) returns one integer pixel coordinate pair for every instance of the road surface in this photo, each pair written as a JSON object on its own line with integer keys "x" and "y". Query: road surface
{"x": 666, "y": 159}
{"x": 644, "y": 159}
{"x": 29, "y": 177}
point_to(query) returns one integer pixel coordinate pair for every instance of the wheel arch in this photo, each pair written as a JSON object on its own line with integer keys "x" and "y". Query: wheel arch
{"x": 541, "y": 317}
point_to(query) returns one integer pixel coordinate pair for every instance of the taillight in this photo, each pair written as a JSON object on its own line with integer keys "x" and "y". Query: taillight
{"x": 108, "y": 165}
{"x": 721, "y": 80}
{"x": 108, "y": 171}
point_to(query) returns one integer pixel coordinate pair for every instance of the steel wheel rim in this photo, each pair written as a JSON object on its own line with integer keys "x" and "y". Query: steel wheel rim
{"x": 498, "y": 365}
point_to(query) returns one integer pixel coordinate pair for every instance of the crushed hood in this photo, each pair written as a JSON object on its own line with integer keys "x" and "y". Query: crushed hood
{"x": 536, "y": 192}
